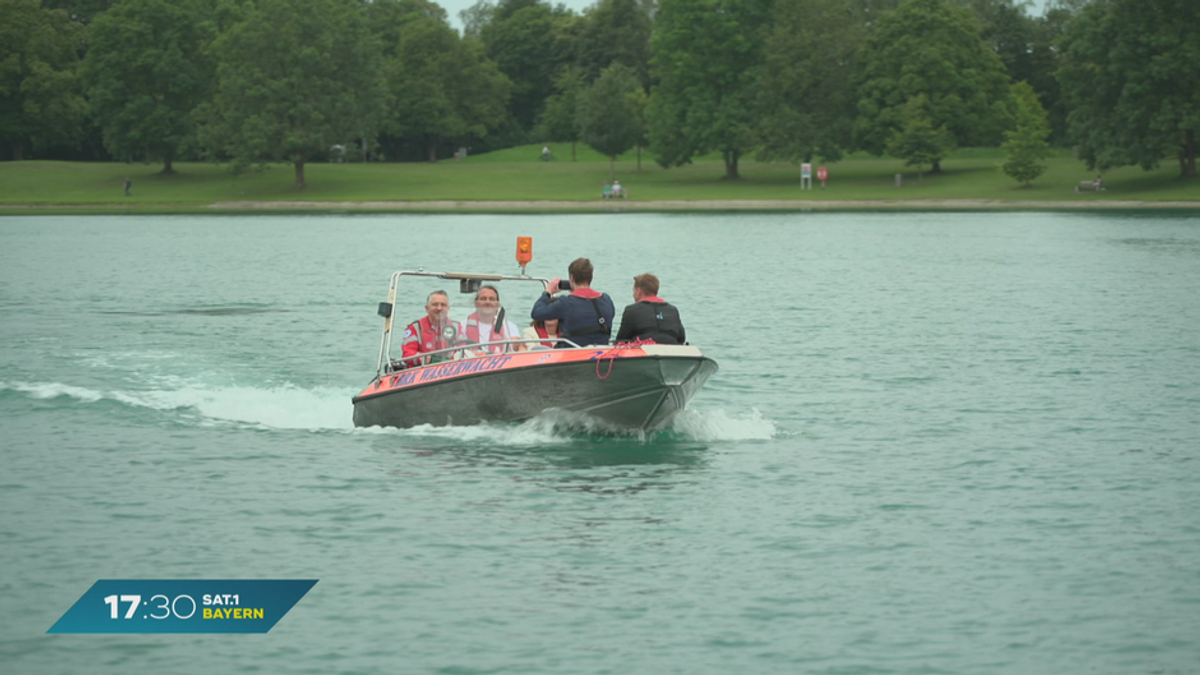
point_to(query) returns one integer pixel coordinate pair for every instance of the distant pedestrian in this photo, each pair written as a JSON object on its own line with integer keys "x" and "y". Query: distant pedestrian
{"x": 128, "y": 184}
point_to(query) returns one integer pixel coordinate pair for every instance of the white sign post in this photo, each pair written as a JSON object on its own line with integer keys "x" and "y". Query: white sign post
{"x": 806, "y": 176}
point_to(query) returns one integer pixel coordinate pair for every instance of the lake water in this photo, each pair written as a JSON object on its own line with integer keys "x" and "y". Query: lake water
{"x": 938, "y": 443}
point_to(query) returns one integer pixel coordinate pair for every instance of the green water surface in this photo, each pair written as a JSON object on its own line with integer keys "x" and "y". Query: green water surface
{"x": 937, "y": 443}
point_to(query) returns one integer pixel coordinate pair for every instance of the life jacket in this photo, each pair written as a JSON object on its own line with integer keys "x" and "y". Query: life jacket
{"x": 472, "y": 333}
{"x": 603, "y": 324}
{"x": 545, "y": 335}
{"x": 652, "y": 318}
{"x": 421, "y": 337}
{"x": 666, "y": 316}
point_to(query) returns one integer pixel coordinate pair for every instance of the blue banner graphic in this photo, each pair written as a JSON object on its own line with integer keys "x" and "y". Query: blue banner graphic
{"x": 182, "y": 606}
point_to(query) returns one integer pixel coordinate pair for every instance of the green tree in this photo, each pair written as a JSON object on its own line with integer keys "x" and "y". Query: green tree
{"x": 388, "y": 18}
{"x": 1027, "y": 46}
{"x": 1131, "y": 74}
{"x": 505, "y": 9}
{"x": 1025, "y": 147}
{"x": 806, "y": 96}
{"x": 616, "y": 31}
{"x": 522, "y": 42}
{"x": 294, "y": 77}
{"x": 609, "y": 119}
{"x": 707, "y": 55}
{"x": 41, "y": 105}
{"x": 146, "y": 72}
{"x": 560, "y": 121}
{"x": 867, "y": 12}
{"x": 917, "y": 141}
{"x": 81, "y": 11}
{"x": 640, "y": 101}
{"x": 443, "y": 87}
{"x": 928, "y": 47}
{"x": 475, "y": 17}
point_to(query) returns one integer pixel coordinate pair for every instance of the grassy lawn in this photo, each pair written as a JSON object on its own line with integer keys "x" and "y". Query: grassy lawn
{"x": 517, "y": 174}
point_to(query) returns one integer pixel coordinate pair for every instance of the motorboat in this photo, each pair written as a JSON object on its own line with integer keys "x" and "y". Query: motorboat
{"x": 636, "y": 387}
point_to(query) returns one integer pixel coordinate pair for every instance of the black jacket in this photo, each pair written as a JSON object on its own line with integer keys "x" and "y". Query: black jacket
{"x": 647, "y": 319}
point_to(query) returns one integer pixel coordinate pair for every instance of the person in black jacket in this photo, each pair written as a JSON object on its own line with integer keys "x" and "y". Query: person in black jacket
{"x": 585, "y": 316}
{"x": 650, "y": 317}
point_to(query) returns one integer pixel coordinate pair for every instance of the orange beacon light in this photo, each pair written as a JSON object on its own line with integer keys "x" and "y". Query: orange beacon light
{"x": 524, "y": 251}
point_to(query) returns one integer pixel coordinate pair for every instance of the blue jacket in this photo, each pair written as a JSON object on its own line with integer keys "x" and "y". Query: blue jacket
{"x": 577, "y": 316}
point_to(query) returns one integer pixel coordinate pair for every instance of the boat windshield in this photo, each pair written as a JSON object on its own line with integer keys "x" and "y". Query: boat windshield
{"x": 477, "y": 318}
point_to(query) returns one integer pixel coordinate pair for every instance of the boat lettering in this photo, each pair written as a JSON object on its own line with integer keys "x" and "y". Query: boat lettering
{"x": 464, "y": 367}
{"x": 403, "y": 379}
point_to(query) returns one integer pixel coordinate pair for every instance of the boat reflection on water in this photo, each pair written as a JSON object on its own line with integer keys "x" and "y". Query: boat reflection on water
{"x": 599, "y": 465}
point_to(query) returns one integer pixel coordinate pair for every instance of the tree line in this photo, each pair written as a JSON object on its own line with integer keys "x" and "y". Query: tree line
{"x": 253, "y": 81}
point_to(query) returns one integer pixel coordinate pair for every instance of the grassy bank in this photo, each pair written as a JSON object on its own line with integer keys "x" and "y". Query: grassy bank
{"x": 518, "y": 175}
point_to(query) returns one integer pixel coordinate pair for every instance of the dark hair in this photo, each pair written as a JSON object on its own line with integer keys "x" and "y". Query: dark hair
{"x": 539, "y": 323}
{"x": 581, "y": 271}
{"x": 647, "y": 283}
{"x": 488, "y": 286}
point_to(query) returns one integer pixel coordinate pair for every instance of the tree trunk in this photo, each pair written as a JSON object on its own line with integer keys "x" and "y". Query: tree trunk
{"x": 18, "y": 151}
{"x": 639, "y": 158}
{"x": 612, "y": 160}
{"x": 1187, "y": 155}
{"x": 937, "y": 167}
{"x": 168, "y": 170}
{"x": 300, "y": 184}
{"x": 731, "y": 164}
{"x": 572, "y": 151}
{"x": 432, "y": 148}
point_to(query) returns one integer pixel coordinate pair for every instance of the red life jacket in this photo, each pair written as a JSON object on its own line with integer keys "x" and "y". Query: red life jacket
{"x": 543, "y": 333}
{"x": 472, "y": 333}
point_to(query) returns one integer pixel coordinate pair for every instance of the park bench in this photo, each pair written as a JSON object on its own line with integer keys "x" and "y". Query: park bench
{"x": 1089, "y": 186}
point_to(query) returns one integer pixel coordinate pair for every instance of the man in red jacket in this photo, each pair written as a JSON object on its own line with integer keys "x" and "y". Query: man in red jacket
{"x": 426, "y": 334}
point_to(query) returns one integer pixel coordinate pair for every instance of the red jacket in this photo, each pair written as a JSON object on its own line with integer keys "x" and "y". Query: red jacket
{"x": 421, "y": 337}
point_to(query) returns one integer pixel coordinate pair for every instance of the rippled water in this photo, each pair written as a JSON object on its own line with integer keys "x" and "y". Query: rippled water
{"x": 938, "y": 443}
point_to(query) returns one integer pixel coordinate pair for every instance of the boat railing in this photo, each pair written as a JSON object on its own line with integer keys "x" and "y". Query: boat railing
{"x": 468, "y": 282}
{"x": 463, "y": 352}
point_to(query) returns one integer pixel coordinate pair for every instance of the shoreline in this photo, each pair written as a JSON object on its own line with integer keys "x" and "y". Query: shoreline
{"x": 599, "y": 206}
{"x": 705, "y": 205}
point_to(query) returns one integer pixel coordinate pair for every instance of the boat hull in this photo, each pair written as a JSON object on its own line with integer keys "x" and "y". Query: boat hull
{"x": 638, "y": 388}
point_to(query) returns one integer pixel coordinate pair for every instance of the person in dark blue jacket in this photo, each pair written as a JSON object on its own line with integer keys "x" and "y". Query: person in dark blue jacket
{"x": 585, "y": 316}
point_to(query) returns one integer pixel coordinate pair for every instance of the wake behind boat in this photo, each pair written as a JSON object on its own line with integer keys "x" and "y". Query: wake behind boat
{"x": 633, "y": 387}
